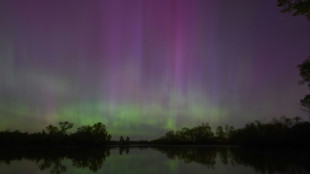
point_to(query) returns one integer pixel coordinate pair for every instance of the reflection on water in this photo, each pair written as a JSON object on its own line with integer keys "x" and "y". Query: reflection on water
{"x": 52, "y": 159}
{"x": 263, "y": 161}
{"x": 154, "y": 160}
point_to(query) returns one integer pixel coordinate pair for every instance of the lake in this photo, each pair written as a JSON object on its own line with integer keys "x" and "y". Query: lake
{"x": 154, "y": 160}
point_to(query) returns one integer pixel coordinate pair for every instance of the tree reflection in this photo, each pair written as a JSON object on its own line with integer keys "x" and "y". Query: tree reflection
{"x": 124, "y": 148}
{"x": 262, "y": 160}
{"x": 189, "y": 155}
{"x": 55, "y": 164}
{"x": 273, "y": 160}
{"x": 91, "y": 159}
{"x": 53, "y": 159}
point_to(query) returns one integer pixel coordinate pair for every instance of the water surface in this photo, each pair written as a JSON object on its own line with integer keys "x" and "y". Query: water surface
{"x": 163, "y": 160}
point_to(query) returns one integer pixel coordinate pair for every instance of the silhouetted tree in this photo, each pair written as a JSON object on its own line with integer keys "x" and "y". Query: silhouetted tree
{"x": 228, "y": 132}
{"x": 280, "y": 132}
{"x": 201, "y": 134}
{"x": 300, "y": 7}
{"x": 295, "y": 7}
{"x": 304, "y": 73}
{"x": 121, "y": 140}
{"x": 52, "y": 130}
{"x": 64, "y": 126}
{"x": 96, "y": 134}
{"x": 220, "y": 134}
{"x": 127, "y": 140}
{"x": 284, "y": 131}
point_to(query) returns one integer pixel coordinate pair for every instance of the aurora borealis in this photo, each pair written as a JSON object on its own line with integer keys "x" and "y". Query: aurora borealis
{"x": 143, "y": 67}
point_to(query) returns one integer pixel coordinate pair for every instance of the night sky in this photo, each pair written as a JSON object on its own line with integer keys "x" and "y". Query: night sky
{"x": 143, "y": 67}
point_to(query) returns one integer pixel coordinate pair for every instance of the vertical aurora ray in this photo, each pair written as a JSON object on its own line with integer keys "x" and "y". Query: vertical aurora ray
{"x": 145, "y": 67}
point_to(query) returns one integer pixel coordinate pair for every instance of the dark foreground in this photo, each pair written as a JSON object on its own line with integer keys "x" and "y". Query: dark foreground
{"x": 168, "y": 159}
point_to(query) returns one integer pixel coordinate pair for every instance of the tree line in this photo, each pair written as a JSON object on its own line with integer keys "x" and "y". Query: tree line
{"x": 94, "y": 135}
{"x": 277, "y": 133}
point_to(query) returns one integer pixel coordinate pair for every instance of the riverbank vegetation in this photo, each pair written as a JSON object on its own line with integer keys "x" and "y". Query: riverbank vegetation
{"x": 281, "y": 132}
{"x": 95, "y": 135}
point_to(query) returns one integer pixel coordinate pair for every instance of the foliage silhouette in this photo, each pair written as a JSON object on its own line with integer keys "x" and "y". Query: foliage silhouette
{"x": 295, "y": 7}
{"x": 278, "y": 133}
{"x": 121, "y": 140}
{"x": 201, "y": 134}
{"x": 304, "y": 73}
{"x": 300, "y": 7}
{"x": 127, "y": 140}
{"x": 95, "y": 135}
{"x": 64, "y": 126}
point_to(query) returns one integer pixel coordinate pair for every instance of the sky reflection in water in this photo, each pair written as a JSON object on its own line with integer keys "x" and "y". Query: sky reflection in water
{"x": 154, "y": 160}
